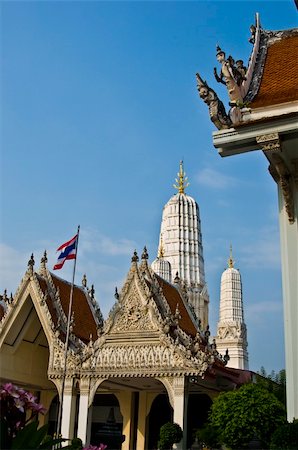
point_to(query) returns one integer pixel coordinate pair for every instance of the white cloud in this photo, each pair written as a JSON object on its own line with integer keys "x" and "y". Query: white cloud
{"x": 215, "y": 179}
{"x": 93, "y": 240}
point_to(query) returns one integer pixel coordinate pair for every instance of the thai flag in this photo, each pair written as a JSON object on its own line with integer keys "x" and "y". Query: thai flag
{"x": 67, "y": 251}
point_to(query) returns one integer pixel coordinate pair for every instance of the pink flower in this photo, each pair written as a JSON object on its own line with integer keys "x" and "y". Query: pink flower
{"x": 94, "y": 447}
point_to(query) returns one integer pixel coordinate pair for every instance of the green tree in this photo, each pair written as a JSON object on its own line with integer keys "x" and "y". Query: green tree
{"x": 274, "y": 382}
{"x": 246, "y": 413}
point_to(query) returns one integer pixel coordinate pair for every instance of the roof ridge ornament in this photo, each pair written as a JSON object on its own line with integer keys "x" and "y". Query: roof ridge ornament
{"x": 182, "y": 181}
{"x": 217, "y": 110}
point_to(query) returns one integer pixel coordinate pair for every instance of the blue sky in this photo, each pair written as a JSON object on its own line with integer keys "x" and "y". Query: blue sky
{"x": 99, "y": 105}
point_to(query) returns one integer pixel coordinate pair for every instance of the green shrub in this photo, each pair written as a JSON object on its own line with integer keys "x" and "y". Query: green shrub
{"x": 208, "y": 435}
{"x": 285, "y": 437}
{"x": 170, "y": 433}
{"x": 248, "y": 413}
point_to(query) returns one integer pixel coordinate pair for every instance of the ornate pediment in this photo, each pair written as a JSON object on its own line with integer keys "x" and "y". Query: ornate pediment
{"x": 134, "y": 313}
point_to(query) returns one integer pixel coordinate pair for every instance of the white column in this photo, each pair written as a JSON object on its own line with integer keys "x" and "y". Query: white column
{"x": 289, "y": 259}
{"x": 68, "y": 410}
{"x": 180, "y": 397}
{"x": 83, "y": 411}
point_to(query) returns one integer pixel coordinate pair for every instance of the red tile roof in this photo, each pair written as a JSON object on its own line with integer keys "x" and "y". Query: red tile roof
{"x": 174, "y": 298}
{"x": 279, "y": 79}
{"x": 85, "y": 324}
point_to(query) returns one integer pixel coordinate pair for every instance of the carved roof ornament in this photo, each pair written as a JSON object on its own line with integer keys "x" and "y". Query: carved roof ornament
{"x": 229, "y": 76}
{"x": 177, "y": 279}
{"x": 31, "y": 263}
{"x": 135, "y": 257}
{"x": 217, "y": 110}
{"x": 145, "y": 255}
{"x": 182, "y": 180}
{"x": 84, "y": 281}
{"x": 116, "y": 295}
{"x": 226, "y": 357}
{"x": 44, "y": 259}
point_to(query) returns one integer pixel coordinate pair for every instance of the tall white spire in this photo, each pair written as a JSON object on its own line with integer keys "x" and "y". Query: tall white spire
{"x": 181, "y": 240}
{"x": 231, "y": 329}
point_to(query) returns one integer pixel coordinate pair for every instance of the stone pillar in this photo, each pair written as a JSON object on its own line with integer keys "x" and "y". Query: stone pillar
{"x": 125, "y": 403}
{"x": 83, "y": 415}
{"x": 180, "y": 398}
{"x": 68, "y": 410}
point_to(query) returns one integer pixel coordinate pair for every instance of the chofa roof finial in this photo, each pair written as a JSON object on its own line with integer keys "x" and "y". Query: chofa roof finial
{"x": 182, "y": 180}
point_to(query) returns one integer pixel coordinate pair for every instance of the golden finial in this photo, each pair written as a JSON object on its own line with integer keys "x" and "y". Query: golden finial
{"x": 182, "y": 180}
{"x": 161, "y": 252}
{"x": 230, "y": 260}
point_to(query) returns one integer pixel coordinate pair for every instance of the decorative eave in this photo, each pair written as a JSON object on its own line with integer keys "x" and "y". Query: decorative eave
{"x": 250, "y": 106}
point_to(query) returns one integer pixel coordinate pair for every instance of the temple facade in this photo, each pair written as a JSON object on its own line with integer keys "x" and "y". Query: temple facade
{"x": 150, "y": 361}
{"x": 263, "y": 116}
{"x": 146, "y": 364}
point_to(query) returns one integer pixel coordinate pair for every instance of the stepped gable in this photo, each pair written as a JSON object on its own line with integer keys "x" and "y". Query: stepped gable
{"x": 279, "y": 79}
{"x": 174, "y": 299}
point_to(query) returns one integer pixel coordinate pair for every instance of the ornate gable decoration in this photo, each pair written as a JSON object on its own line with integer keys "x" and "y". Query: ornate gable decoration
{"x": 136, "y": 340}
{"x": 133, "y": 314}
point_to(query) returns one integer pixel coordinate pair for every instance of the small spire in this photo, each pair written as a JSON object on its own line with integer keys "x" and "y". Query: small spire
{"x": 116, "y": 295}
{"x": 182, "y": 180}
{"x": 161, "y": 251}
{"x": 135, "y": 257}
{"x": 231, "y": 260}
{"x": 44, "y": 259}
{"x": 84, "y": 281}
{"x": 145, "y": 255}
{"x": 31, "y": 261}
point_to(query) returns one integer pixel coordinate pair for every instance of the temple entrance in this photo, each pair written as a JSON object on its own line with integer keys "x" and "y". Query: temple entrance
{"x": 107, "y": 421}
{"x": 197, "y": 414}
{"x": 161, "y": 412}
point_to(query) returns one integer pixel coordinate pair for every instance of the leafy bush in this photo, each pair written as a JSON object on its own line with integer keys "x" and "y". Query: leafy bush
{"x": 285, "y": 437}
{"x": 245, "y": 414}
{"x": 208, "y": 435}
{"x": 170, "y": 433}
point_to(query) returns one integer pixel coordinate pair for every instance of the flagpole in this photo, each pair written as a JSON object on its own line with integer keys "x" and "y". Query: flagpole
{"x": 59, "y": 421}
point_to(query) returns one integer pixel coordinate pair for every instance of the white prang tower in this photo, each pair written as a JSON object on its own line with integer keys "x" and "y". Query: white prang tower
{"x": 180, "y": 243}
{"x": 231, "y": 329}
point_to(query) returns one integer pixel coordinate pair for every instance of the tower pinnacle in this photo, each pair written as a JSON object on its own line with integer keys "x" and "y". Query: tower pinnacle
{"x": 182, "y": 180}
{"x": 231, "y": 260}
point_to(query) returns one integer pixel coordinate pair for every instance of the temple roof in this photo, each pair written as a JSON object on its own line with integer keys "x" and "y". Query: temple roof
{"x": 174, "y": 299}
{"x": 279, "y": 79}
{"x": 84, "y": 321}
